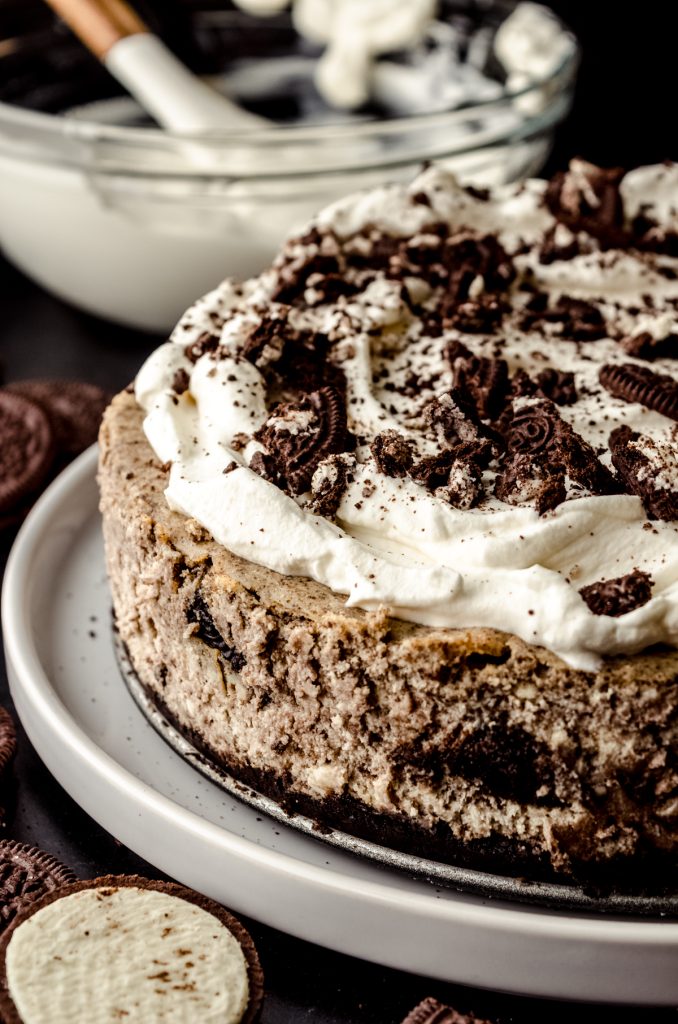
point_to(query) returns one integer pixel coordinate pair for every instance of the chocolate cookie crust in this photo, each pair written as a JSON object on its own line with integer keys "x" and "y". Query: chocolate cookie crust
{"x": 8, "y": 1011}
{"x": 469, "y": 745}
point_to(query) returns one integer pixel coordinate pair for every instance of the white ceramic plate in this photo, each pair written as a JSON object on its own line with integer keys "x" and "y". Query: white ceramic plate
{"x": 85, "y": 726}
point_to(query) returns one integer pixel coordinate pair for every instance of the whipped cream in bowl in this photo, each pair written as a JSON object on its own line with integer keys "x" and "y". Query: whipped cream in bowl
{"x": 455, "y": 405}
{"x": 126, "y": 221}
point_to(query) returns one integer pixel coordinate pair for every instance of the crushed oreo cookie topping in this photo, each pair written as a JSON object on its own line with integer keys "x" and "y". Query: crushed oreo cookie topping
{"x": 619, "y": 596}
{"x": 297, "y": 437}
{"x": 648, "y": 469}
{"x": 634, "y": 383}
{"x": 452, "y": 395}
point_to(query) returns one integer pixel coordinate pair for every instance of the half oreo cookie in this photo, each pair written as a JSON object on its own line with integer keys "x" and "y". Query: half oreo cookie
{"x": 26, "y": 875}
{"x": 133, "y": 948}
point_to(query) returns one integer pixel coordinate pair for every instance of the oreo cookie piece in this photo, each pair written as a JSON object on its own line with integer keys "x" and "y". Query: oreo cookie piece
{"x": 73, "y": 407}
{"x": 646, "y": 346}
{"x": 430, "y": 1011}
{"x": 648, "y": 469}
{"x": 618, "y": 596}
{"x": 27, "y": 450}
{"x": 132, "y": 948}
{"x": 633, "y": 383}
{"x": 524, "y": 480}
{"x": 393, "y": 453}
{"x": 536, "y": 428}
{"x": 26, "y": 874}
{"x": 297, "y": 437}
{"x": 7, "y": 741}
{"x": 566, "y": 318}
{"x": 587, "y": 198}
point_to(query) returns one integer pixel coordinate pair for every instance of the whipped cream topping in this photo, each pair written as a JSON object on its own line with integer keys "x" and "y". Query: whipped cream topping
{"x": 530, "y": 44}
{"x": 356, "y": 306}
{"x": 126, "y": 953}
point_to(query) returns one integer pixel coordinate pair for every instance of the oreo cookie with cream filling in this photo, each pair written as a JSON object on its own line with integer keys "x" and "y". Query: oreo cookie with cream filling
{"x": 132, "y": 948}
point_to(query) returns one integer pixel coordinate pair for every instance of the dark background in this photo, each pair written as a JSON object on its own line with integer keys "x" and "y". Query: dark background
{"x": 625, "y": 105}
{"x": 624, "y": 114}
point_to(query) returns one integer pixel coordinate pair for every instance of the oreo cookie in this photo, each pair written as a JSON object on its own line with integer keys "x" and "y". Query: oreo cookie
{"x": 536, "y": 428}
{"x": 27, "y": 451}
{"x": 74, "y": 409}
{"x": 648, "y": 469}
{"x": 130, "y": 947}
{"x": 633, "y": 383}
{"x": 587, "y": 198}
{"x": 26, "y": 875}
{"x": 430, "y": 1011}
{"x": 44, "y": 424}
{"x": 7, "y": 741}
{"x": 299, "y": 435}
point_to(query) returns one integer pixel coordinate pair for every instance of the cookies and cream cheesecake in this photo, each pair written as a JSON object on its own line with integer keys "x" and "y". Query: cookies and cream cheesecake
{"x": 391, "y": 529}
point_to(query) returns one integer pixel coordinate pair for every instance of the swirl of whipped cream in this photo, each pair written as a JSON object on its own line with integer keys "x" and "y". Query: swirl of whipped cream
{"x": 392, "y": 542}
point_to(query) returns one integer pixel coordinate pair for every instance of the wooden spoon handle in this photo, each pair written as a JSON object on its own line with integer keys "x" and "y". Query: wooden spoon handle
{"x": 100, "y": 24}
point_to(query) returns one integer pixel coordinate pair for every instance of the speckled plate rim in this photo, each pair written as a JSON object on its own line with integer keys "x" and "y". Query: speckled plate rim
{"x": 461, "y": 939}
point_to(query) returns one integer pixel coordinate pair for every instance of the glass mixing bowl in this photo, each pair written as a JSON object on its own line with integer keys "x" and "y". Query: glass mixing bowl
{"x": 131, "y": 223}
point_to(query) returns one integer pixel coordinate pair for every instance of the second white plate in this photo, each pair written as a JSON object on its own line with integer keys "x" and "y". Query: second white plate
{"x": 85, "y": 726}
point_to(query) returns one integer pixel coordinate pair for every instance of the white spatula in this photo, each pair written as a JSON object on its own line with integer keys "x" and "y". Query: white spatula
{"x": 140, "y": 61}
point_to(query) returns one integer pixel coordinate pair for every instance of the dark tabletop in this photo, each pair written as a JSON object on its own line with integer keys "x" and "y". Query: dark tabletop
{"x": 619, "y": 118}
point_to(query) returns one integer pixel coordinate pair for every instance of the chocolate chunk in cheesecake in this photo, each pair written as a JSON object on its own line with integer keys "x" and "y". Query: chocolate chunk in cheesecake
{"x": 647, "y": 468}
{"x": 618, "y": 596}
{"x": 298, "y": 436}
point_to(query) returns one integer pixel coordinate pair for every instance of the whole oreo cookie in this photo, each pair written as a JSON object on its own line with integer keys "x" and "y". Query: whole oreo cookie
{"x": 27, "y": 451}
{"x": 132, "y": 948}
{"x": 26, "y": 874}
{"x": 74, "y": 409}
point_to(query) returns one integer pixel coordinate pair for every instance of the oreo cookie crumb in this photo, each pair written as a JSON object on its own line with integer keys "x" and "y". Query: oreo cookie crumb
{"x": 646, "y": 346}
{"x": 587, "y": 198}
{"x": 393, "y": 453}
{"x": 523, "y": 480}
{"x": 567, "y": 318}
{"x": 649, "y": 469}
{"x": 618, "y": 596}
{"x": 329, "y": 484}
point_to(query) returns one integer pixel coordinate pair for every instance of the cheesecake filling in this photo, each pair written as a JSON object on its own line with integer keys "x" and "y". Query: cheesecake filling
{"x": 111, "y": 954}
{"x": 456, "y": 405}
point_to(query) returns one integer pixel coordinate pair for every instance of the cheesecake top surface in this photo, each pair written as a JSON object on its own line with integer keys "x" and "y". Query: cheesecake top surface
{"x": 458, "y": 405}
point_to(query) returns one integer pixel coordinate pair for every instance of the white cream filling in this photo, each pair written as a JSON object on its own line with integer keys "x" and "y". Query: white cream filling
{"x": 126, "y": 954}
{"x": 401, "y": 547}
